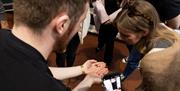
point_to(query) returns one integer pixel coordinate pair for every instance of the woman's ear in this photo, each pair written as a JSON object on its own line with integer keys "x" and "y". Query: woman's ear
{"x": 62, "y": 24}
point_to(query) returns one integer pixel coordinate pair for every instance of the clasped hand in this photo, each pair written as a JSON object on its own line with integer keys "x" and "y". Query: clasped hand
{"x": 94, "y": 68}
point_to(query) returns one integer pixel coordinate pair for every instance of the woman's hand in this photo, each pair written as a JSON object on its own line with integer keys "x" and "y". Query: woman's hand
{"x": 94, "y": 68}
{"x": 93, "y": 79}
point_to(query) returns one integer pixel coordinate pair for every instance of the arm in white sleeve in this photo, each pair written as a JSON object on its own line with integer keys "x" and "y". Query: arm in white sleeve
{"x": 114, "y": 14}
{"x": 100, "y": 11}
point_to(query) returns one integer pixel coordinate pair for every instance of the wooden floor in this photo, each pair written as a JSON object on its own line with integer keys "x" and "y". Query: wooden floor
{"x": 87, "y": 51}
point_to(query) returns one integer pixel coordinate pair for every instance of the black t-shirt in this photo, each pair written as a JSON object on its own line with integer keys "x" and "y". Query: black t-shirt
{"x": 167, "y": 9}
{"x": 23, "y": 68}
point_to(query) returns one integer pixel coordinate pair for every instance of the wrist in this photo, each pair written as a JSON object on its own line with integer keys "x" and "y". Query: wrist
{"x": 82, "y": 69}
{"x": 89, "y": 81}
{"x": 84, "y": 85}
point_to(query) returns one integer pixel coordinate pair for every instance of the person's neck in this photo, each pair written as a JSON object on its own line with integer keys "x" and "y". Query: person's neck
{"x": 41, "y": 42}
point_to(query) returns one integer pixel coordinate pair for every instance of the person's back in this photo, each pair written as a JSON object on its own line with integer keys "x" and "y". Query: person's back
{"x": 160, "y": 70}
{"x": 22, "y": 67}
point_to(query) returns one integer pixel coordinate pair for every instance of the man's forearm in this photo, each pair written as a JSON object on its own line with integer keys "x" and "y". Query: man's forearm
{"x": 84, "y": 85}
{"x": 65, "y": 73}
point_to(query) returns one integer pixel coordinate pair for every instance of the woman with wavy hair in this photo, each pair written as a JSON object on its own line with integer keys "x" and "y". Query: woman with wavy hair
{"x": 139, "y": 25}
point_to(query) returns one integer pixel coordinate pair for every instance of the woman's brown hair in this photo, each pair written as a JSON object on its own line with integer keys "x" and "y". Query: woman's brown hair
{"x": 139, "y": 15}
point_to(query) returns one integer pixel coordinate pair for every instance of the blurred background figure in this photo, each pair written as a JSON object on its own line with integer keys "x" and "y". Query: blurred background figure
{"x": 67, "y": 57}
{"x": 105, "y": 12}
{"x": 169, "y": 12}
{"x": 157, "y": 44}
{"x": 3, "y": 21}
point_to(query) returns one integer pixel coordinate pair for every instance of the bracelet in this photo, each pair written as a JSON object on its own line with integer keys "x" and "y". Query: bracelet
{"x": 83, "y": 72}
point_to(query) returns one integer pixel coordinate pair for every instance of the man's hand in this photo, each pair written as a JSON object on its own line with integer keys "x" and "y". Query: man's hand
{"x": 93, "y": 79}
{"x": 94, "y": 68}
{"x": 87, "y": 82}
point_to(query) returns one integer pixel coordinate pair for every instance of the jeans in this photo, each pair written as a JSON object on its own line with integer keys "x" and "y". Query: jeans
{"x": 133, "y": 61}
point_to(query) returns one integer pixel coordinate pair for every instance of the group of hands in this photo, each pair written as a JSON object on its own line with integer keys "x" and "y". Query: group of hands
{"x": 95, "y": 70}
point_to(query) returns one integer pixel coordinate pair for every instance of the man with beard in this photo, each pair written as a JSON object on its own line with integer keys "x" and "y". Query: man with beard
{"x": 40, "y": 27}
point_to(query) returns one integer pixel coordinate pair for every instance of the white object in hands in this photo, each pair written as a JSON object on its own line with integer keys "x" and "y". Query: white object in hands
{"x": 112, "y": 82}
{"x": 108, "y": 85}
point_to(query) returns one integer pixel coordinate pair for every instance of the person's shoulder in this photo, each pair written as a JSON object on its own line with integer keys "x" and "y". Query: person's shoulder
{"x": 4, "y": 31}
{"x": 3, "y": 45}
{"x": 3, "y": 34}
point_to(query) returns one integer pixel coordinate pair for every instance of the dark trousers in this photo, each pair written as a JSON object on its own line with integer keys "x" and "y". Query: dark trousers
{"x": 106, "y": 38}
{"x": 69, "y": 56}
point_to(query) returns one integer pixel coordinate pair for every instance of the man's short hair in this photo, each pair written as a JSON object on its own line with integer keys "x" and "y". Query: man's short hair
{"x": 37, "y": 14}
